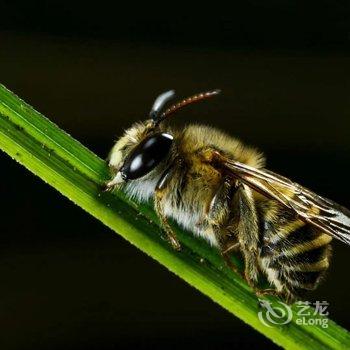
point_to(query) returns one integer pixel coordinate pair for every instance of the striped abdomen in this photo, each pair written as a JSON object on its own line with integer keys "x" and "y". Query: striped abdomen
{"x": 293, "y": 255}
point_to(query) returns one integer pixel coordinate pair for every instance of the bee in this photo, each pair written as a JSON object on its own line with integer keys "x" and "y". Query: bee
{"x": 218, "y": 188}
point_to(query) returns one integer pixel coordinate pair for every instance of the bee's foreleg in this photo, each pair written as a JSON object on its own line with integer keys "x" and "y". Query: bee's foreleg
{"x": 161, "y": 190}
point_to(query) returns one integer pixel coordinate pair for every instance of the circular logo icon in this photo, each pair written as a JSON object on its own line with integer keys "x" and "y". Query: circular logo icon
{"x": 272, "y": 315}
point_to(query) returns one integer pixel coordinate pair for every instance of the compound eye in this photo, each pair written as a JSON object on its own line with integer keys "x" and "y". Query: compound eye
{"x": 146, "y": 156}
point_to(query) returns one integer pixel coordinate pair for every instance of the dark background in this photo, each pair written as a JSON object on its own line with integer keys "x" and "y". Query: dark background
{"x": 284, "y": 68}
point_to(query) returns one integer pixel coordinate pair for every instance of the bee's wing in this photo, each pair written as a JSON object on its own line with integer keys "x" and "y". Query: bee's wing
{"x": 329, "y": 216}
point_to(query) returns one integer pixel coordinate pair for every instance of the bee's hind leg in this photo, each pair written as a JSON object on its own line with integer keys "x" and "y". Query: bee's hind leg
{"x": 285, "y": 296}
{"x": 246, "y": 224}
{"x": 245, "y": 221}
{"x": 218, "y": 217}
{"x": 234, "y": 221}
{"x": 267, "y": 292}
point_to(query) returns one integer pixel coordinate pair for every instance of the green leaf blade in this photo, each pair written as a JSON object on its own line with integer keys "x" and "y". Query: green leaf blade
{"x": 78, "y": 174}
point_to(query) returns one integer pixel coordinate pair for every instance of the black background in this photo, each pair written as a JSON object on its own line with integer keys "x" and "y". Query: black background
{"x": 284, "y": 68}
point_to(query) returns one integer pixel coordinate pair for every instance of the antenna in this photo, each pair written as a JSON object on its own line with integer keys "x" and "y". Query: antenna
{"x": 185, "y": 102}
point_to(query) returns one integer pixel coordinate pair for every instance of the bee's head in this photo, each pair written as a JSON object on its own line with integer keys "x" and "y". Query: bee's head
{"x": 142, "y": 147}
{"x": 145, "y": 145}
{"x": 138, "y": 152}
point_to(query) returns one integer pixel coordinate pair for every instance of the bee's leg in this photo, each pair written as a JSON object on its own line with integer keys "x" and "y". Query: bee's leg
{"x": 268, "y": 291}
{"x": 247, "y": 232}
{"x": 161, "y": 190}
{"x": 231, "y": 247}
{"x": 165, "y": 224}
{"x": 245, "y": 221}
{"x": 218, "y": 217}
{"x": 286, "y": 297}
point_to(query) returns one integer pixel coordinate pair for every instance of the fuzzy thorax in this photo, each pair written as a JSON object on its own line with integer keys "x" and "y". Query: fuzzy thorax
{"x": 192, "y": 188}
